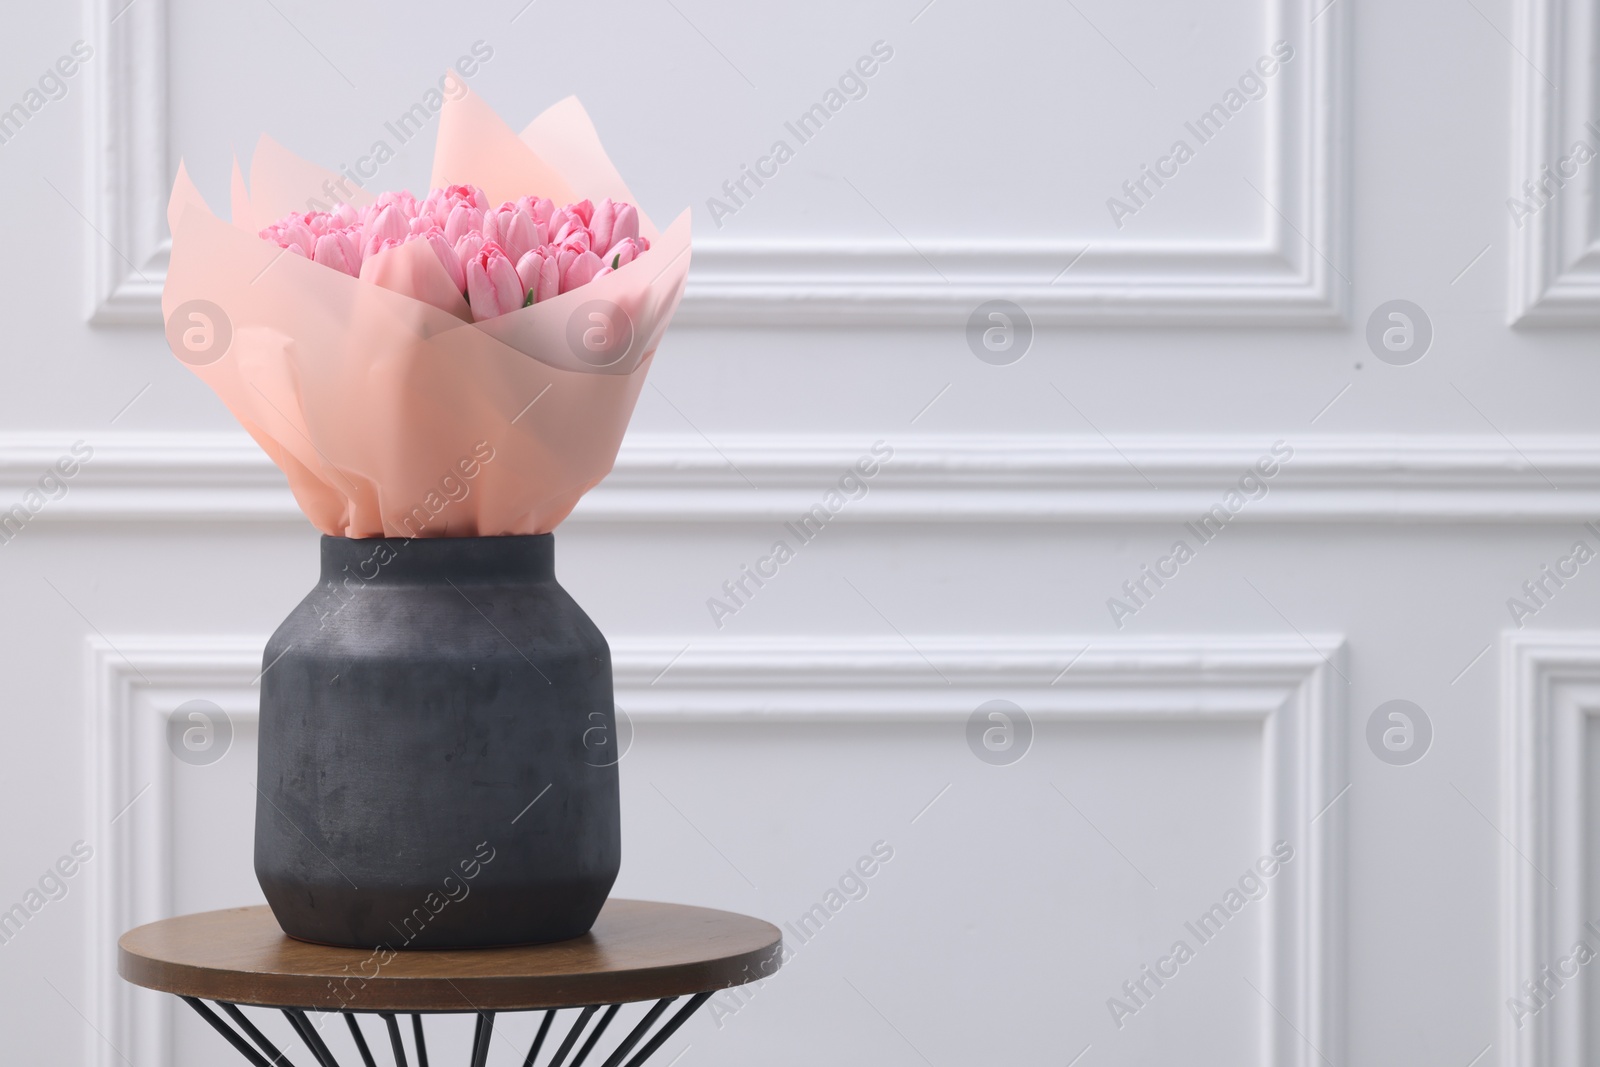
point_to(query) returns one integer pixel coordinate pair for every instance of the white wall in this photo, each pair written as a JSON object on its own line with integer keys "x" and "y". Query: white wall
{"x": 1227, "y": 314}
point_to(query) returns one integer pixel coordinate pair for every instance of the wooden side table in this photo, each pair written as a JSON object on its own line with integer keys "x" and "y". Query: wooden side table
{"x": 637, "y": 951}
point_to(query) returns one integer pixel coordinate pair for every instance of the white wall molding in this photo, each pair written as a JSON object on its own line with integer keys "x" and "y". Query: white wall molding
{"x": 1293, "y": 278}
{"x": 1290, "y": 687}
{"x": 128, "y": 160}
{"x": 131, "y": 693}
{"x": 762, "y": 283}
{"x": 224, "y": 477}
{"x": 1555, "y": 262}
{"x": 1550, "y": 692}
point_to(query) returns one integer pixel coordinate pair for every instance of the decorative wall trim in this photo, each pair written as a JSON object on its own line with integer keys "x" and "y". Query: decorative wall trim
{"x": 1551, "y": 691}
{"x": 128, "y": 160}
{"x": 224, "y": 477}
{"x": 1292, "y": 278}
{"x": 1290, "y": 687}
{"x": 1555, "y": 261}
{"x": 863, "y": 283}
{"x": 130, "y": 694}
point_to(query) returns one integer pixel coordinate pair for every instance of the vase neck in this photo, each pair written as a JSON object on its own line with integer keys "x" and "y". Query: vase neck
{"x": 428, "y": 560}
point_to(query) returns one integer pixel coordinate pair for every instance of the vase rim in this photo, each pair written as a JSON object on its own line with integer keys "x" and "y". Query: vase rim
{"x": 403, "y": 560}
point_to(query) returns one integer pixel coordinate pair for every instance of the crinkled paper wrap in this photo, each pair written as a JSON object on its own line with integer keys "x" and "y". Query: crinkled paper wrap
{"x": 390, "y": 415}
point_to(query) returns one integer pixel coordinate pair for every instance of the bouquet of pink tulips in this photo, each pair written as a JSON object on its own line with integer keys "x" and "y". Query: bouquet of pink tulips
{"x": 434, "y": 367}
{"x": 501, "y": 258}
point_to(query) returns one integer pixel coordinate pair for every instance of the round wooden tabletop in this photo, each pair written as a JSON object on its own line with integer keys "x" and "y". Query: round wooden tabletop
{"x": 638, "y": 950}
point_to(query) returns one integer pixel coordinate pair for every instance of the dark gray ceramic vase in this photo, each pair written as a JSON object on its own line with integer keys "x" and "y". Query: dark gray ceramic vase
{"x": 438, "y": 750}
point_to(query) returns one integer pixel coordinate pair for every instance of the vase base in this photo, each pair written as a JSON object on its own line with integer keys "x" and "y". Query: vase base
{"x": 490, "y": 916}
{"x": 439, "y": 948}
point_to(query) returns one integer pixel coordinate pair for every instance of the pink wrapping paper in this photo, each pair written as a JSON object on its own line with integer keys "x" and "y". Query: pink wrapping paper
{"x": 390, "y": 413}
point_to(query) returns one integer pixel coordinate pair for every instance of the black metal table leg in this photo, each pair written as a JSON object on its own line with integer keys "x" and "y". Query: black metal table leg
{"x": 263, "y": 1053}
{"x": 309, "y": 1035}
{"x": 276, "y": 1058}
{"x": 482, "y": 1033}
{"x": 600, "y": 1028}
{"x": 422, "y": 1044}
{"x": 639, "y": 1030}
{"x": 670, "y": 1029}
{"x": 572, "y": 1035}
{"x": 360, "y": 1039}
{"x": 394, "y": 1039}
{"x": 244, "y": 1047}
{"x": 538, "y": 1040}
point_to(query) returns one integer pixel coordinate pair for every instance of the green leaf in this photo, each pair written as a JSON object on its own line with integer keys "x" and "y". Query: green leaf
{"x": 616, "y": 259}
{"x": 528, "y": 302}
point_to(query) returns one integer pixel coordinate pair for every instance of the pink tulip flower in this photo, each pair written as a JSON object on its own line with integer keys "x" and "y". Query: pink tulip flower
{"x": 539, "y": 207}
{"x": 441, "y": 202}
{"x": 339, "y": 249}
{"x": 602, "y": 223}
{"x": 513, "y": 230}
{"x": 466, "y": 249}
{"x": 292, "y": 232}
{"x": 581, "y": 270}
{"x": 624, "y": 252}
{"x": 402, "y": 201}
{"x": 613, "y": 223}
{"x": 463, "y": 219}
{"x": 626, "y": 226}
{"x": 493, "y": 286}
{"x": 541, "y": 278}
{"x": 388, "y": 223}
{"x": 447, "y": 256}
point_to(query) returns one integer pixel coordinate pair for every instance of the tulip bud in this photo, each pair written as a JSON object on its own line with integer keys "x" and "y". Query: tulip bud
{"x": 513, "y": 230}
{"x": 493, "y": 287}
{"x": 463, "y": 219}
{"x": 580, "y": 271}
{"x": 575, "y": 237}
{"x": 626, "y": 225}
{"x": 447, "y": 257}
{"x": 466, "y": 249}
{"x": 338, "y": 249}
{"x": 622, "y": 253}
{"x": 292, "y": 233}
{"x": 387, "y": 223}
{"x": 541, "y": 208}
{"x": 467, "y": 194}
{"x": 401, "y": 201}
{"x": 602, "y": 224}
{"x": 540, "y": 277}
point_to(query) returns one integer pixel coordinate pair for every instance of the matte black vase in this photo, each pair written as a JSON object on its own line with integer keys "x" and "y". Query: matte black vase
{"x": 437, "y": 750}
